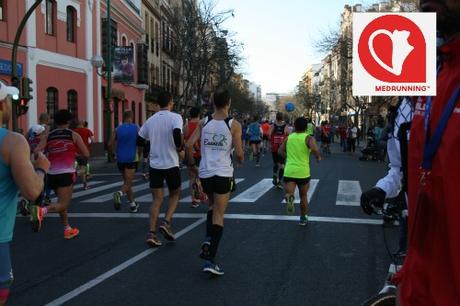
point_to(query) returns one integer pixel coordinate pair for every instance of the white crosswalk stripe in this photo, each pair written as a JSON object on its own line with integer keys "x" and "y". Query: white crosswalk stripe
{"x": 83, "y": 193}
{"x": 80, "y": 187}
{"x": 147, "y": 198}
{"x": 311, "y": 191}
{"x": 349, "y": 193}
{"x": 252, "y": 194}
{"x": 189, "y": 198}
{"x": 106, "y": 197}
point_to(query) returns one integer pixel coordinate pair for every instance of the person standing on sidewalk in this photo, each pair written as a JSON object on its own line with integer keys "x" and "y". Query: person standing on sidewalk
{"x": 195, "y": 184}
{"x": 220, "y": 135}
{"x": 297, "y": 149}
{"x": 352, "y": 135}
{"x": 164, "y": 130}
{"x": 17, "y": 173}
{"x": 125, "y": 137}
{"x": 61, "y": 145}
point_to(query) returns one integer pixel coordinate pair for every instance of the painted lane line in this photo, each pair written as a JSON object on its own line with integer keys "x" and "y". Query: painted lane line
{"x": 147, "y": 198}
{"x": 252, "y": 194}
{"x": 99, "y": 279}
{"x": 227, "y": 216}
{"x": 80, "y": 187}
{"x": 107, "y": 197}
{"x": 311, "y": 191}
{"x": 349, "y": 193}
{"x": 189, "y": 198}
{"x": 83, "y": 193}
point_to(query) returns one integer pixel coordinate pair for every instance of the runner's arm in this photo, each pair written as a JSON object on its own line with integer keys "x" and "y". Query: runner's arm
{"x": 80, "y": 144}
{"x": 282, "y": 149}
{"x": 29, "y": 181}
{"x": 237, "y": 143}
{"x": 311, "y": 144}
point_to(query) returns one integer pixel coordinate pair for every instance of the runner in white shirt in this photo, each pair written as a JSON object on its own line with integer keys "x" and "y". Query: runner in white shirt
{"x": 164, "y": 131}
{"x": 219, "y": 135}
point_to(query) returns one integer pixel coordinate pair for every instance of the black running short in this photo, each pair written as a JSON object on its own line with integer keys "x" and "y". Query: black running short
{"x": 217, "y": 184}
{"x": 159, "y": 176}
{"x": 60, "y": 180}
{"x": 265, "y": 137}
{"x": 277, "y": 158}
{"x": 254, "y": 142}
{"x": 298, "y": 181}
{"x": 81, "y": 161}
{"x": 123, "y": 166}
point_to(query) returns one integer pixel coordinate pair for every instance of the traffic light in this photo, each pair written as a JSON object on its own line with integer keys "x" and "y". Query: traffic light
{"x": 15, "y": 98}
{"x": 105, "y": 38}
{"x": 22, "y": 107}
{"x": 26, "y": 89}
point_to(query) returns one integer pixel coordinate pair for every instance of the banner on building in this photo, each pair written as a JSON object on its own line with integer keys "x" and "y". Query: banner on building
{"x": 123, "y": 65}
{"x": 394, "y": 54}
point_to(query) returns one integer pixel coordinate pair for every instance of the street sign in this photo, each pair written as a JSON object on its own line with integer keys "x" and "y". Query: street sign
{"x": 5, "y": 68}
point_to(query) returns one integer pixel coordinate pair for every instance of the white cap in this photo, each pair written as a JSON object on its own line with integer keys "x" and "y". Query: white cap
{"x": 37, "y": 129}
{"x": 6, "y": 90}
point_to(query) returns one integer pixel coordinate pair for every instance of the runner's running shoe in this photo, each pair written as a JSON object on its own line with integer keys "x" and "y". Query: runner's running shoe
{"x": 280, "y": 186}
{"x": 36, "y": 217}
{"x": 204, "y": 254}
{"x": 152, "y": 240}
{"x": 134, "y": 207}
{"x": 71, "y": 233}
{"x": 117, "y": 200}
{"x": 213, "y": 268}
{"x": 195, "y": 204}
{"x": 303, "y": 221}
{"x": 165, "y": 229}
{"x": 290, "y": 204}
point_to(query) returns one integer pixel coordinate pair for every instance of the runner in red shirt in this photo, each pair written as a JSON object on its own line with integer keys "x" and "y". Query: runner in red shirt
{"x": 431, "y": 271}
{"x": 83, "y": 162}
{"x": 195, "y": 184}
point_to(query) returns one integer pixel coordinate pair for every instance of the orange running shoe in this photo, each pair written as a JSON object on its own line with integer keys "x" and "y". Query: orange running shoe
{"x": 71, "y": 233}
{"x": 36, "y": 217}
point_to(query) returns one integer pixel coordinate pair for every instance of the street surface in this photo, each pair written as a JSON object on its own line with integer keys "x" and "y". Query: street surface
{"x": 339, "y": 259}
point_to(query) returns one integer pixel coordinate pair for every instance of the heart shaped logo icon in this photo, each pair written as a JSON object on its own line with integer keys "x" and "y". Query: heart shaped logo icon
{"x": 401, "y": 49}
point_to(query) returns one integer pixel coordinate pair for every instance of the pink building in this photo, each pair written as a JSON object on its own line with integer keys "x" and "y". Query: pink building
{"x": 57, "y": 46}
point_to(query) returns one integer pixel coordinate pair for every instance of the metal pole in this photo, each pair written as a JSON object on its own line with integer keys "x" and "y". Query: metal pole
{"x": 108, "y": 91}
{"x": 14, "y": 74}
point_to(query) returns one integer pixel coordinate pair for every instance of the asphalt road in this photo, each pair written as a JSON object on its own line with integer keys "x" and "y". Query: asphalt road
{"x": 339, "y": 259}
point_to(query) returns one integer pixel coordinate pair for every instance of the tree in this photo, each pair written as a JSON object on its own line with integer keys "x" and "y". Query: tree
{"x": 205, "y": 55}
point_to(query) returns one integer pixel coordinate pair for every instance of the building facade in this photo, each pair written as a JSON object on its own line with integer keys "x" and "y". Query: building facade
{"x": 56, "y": 48}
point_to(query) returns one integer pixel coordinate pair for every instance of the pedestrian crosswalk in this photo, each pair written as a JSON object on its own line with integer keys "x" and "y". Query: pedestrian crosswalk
{"x": 348, "y": 192}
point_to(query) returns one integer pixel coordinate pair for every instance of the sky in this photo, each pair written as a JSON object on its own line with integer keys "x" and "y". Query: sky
{"x": 278, "y": 37}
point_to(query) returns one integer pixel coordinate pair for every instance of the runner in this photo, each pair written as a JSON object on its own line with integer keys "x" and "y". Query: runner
{"x": 278, "y": 132}
{"x": 326, "y": 137}
{"x": 266, "y": 135}
{"x": 81, "y": 161}
{"x": 297, "y": 148}
{"x": 195, "y": 184}
{"x": 17, "y": 173}
{"x": 125, "y": 137}
{"x": 244, "y": 135}
{"x": 164, "y": 130}
{"x": 255, "y": 138}
{"x": 146, "y": 146}
{"x": 216, "y": 171}
{"x": 61, "y": 145}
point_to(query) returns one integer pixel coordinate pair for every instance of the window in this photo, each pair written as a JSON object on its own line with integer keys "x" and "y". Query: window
{"x": 123, "y": 41}
{"x": 51, "y": 101}
{"x": 2, "y": 10}
{"x": 72, "y": 103}
{"x": 152, "y": 36}
{"x": 49, "y": 15}
{"x": 71, "y": 23}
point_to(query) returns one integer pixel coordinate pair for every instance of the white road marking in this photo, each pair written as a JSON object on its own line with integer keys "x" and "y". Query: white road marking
{"x": 99, "y": 279}
{"x": 349, "y": 193}
{"x": 252, "y": 194}
{"x": 106, "y": 197}
{"x": 189, "y": 198}
{"x": 227, "y": 216}
{"x": 311, "y": 191}
{"x": 147, "y": 198}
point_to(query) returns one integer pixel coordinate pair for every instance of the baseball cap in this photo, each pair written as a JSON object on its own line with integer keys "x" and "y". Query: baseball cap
{"x": 37, "y": 129}
{"x": 6, "y": 90}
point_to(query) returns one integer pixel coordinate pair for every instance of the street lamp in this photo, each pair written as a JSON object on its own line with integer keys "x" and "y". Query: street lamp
{"x": 97, "y": 62}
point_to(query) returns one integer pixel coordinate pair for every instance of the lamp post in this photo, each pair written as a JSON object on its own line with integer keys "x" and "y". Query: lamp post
{"x": 14, "y": 58}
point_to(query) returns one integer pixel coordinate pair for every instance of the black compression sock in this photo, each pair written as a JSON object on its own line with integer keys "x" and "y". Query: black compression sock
{"x": 209, "y": 224}
{"x": 216, "y": 235}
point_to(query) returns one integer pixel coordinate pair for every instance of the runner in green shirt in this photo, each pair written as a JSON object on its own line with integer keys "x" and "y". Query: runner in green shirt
{"x": 297, "y": 149}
